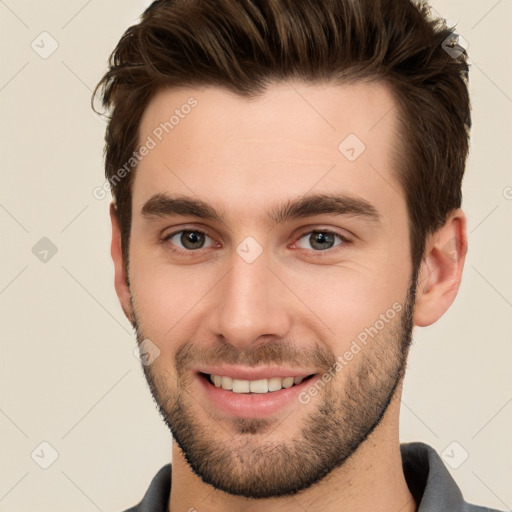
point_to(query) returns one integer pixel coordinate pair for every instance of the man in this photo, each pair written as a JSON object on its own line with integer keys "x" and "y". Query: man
{"x": 287, "y": 188}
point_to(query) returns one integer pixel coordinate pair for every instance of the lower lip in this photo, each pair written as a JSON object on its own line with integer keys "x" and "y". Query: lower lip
{"x": 251, "y": 405}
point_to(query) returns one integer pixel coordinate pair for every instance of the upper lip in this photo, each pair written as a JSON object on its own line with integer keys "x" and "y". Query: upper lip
{"x": 255, "y": 373}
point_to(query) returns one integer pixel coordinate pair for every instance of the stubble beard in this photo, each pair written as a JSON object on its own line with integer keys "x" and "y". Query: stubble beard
{"x": 248, "y": 456}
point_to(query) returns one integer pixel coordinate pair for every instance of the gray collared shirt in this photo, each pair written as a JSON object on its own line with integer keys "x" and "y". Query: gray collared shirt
{"x": 429, "y": 481}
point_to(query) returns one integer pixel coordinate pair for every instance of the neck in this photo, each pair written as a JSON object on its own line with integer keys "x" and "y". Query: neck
{"x": 371, "y": 480}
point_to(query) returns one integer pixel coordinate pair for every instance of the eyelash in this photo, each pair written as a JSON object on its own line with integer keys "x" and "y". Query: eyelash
{"x": 191, "y": 253}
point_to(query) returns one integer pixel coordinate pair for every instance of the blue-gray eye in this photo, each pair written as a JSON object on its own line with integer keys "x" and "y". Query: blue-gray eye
{"x": 320, "y": 240}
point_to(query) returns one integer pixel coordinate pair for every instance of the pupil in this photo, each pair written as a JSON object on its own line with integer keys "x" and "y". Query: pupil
{"x": 318, "y": 240}
{"x": 192, "y": 240}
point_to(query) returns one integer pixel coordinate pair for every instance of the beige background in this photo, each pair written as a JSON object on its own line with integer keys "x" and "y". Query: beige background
{"x": 68, "y": 374}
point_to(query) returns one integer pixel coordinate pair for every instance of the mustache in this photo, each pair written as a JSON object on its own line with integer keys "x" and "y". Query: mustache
{"x": 279, "y": 352}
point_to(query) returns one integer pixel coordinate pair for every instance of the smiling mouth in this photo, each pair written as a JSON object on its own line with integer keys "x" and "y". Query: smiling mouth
{"x": 249, "y": 387}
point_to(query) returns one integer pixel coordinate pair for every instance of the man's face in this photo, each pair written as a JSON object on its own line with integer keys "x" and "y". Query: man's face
{"x": 263, "y": 289}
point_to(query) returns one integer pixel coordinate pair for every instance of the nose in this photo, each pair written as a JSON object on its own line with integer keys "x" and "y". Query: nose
{"x": 250, "y": 304}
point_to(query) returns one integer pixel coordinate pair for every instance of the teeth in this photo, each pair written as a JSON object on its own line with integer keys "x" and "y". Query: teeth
{"x": 258, "y": 386}
{"x": 275, "y": 384}
{"x": 240, "y": 386}
{"x": 288, "y": 382}
{"x": 227, "y": 383}
{"x": 255, "y": 386}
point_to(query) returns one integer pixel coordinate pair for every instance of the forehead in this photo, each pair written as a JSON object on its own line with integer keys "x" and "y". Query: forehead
{"x": 245, "y": 153}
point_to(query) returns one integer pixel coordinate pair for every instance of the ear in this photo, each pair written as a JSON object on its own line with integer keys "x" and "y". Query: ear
{"x": 121, "y": 278}
{"x": 441, "y": 270}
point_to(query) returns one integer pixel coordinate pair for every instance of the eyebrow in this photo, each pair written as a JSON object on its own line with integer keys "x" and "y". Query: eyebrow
{"x": 164, "y": 205}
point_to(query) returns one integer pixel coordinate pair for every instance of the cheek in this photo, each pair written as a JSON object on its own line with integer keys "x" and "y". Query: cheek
{"x": 349, "y": 298}
{"x": 166, "y": 298}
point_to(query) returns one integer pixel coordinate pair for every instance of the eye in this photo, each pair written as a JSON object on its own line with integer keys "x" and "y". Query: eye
{"x": 320, "y": 240}
{"x": 190, "y": 240}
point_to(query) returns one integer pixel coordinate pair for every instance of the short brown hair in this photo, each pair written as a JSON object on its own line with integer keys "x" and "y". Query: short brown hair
{"x": 244, "y": 45}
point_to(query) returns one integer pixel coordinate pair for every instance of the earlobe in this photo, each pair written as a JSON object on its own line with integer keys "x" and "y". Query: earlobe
{"x": 441, "y": 270}
{"x": 121, "y": 278}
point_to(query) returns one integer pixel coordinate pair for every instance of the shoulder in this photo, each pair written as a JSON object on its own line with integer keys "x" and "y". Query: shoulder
{"x": 476, "y": 508}
{"x": 156, "y": 498}
{"x": 430, "y": 482}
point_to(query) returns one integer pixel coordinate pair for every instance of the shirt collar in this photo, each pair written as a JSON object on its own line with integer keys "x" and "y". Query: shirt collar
{"x": 430, "y": 483}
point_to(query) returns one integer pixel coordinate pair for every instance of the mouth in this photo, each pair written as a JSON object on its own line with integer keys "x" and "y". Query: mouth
{"x": 252, "y": 387}
{"x": 252, "y": 392}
